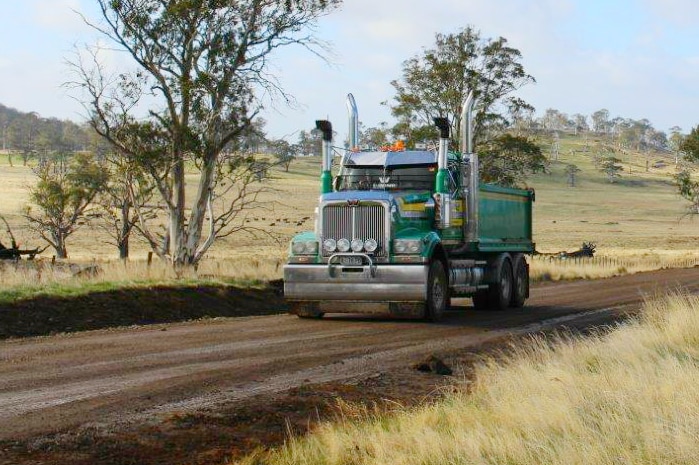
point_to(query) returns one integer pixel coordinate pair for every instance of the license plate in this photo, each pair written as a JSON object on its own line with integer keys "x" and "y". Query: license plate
{"x": 351, "y": 261}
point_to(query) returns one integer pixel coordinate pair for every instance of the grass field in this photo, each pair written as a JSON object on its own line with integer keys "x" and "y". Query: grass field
{"x": 628, "y": 396}
{"x": 637, "y": 221}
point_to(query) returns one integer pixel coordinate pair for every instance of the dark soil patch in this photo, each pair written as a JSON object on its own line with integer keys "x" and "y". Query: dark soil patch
{"x": 137, "y": 306}
{"x": 230, "y": 433}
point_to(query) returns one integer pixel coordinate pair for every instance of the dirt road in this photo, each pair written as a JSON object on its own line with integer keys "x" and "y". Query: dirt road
{"x": 115, "y": 379}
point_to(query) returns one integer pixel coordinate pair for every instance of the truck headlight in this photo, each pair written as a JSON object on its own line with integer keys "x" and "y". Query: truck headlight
{"x": 343, "y": 245}
{"x": 370, "y": 245}
{"x": 357, "y": 245}
{"x": 304, "y": 247}
{"x": 407, "y": 246}
{"x": 330, "y": 245}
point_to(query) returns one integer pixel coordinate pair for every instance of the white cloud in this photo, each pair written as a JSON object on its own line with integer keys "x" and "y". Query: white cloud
{"x": 580, "y": 65}
{"x": 684, "y": 13}
{"x": 59, "y": 15}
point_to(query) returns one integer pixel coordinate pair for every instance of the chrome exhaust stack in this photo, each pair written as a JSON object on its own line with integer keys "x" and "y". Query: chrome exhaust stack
{"x": 442, "y": 195}
{"x": 353, "y": 123}
{"x": 471, "y": 224}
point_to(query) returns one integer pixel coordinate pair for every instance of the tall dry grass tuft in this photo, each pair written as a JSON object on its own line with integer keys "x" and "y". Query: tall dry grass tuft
{"x": 627, "y": 396}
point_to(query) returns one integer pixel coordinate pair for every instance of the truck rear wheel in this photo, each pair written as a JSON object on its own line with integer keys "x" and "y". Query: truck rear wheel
{"x": 437, "y": 292}
{"x": 499, "y": 293}
{"x": 520, "y": 284}
{"x": 480, "y": 300}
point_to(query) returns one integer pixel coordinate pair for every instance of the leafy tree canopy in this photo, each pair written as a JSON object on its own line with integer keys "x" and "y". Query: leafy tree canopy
{"x": 505, "y": 160}
{"x": 434, "y": 84}
{"x": 203, "y": 64}
{"x": 690, "y": 145}
{"x": 611, "y": 166}
{"x": 62, "y": 195}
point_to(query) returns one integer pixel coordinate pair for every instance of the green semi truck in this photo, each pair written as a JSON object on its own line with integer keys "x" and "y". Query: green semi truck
{"x": 401, "y": 232}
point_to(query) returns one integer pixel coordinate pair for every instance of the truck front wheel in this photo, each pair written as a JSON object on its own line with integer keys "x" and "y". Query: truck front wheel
{"x": 437, "y": 292}
{"x": 306, "y": 310}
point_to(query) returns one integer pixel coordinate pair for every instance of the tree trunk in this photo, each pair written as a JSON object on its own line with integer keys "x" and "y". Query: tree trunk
{"x": 61, "y": 251}
{"x": 178, "y": 252}
{"x": 59, "y": 244}
{"x": 124, "y": 248}
{"x": 125, "y": 232}
{"x": 196, "y": 219}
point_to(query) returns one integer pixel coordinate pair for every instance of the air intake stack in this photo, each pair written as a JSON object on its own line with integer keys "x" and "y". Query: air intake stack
{"x": 471, "y": 193}
{"x": 326, "y": 176}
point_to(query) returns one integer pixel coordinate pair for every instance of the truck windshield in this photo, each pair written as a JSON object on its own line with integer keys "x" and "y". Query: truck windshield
{"x": 411, "y": 177}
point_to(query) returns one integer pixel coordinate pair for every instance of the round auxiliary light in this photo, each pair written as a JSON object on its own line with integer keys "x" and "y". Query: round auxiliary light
{"x": 357, "y": 245}
{"x": 370, "y": 245}
{"x": 330, "y": 245}
{"x": 343, "y": 245}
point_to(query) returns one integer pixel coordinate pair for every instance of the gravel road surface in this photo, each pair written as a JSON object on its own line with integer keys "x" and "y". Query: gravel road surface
{"x": 119, "y": 377}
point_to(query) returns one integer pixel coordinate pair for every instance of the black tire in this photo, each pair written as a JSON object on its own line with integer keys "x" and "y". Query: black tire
{"x": 520, "y": 283}
{"x": 500, "y": 291}
{"x": 480, "y": 300}
{"x": 437, "y": 292}
{"x": 306, "y": 310}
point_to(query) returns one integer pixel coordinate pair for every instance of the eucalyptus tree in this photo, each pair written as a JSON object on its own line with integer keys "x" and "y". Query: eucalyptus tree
{"x": 690, "y": 145}
{"x": 434, "y": 83}
{"x": 284, "y": 152}
{"x": 600, "y": 121}
{"x": 63, "y": 194}
{"x": 686, "y": 186}
{"x": 571, "y": 171}
{"x": 675, "y": 142}
{"x": 126, "y": 204}
{"x": 200, "y": 67}
{"x": 611, "y": 166}
{"x": 507, "y": 160}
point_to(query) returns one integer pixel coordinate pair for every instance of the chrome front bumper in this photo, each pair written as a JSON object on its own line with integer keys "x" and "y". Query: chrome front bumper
{"x": 370, "y": 283}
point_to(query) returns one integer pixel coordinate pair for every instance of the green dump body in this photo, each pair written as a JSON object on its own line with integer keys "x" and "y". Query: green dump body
{"x": 504, "y": 219}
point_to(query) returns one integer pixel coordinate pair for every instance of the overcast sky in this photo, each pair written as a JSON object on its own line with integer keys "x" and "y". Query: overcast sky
{"x": 637, "y": 58}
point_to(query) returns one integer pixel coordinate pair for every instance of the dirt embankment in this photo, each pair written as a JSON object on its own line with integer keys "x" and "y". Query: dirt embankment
{"x": 137, "y": 306}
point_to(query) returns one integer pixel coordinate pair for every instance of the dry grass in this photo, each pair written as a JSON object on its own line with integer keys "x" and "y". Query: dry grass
{"x": 629, "y": 396}
{"x": 636, "y": 222}
{"x": 619, "y": 262}
{"x": 27, "y": 279}
{"x": 291, "y": 200}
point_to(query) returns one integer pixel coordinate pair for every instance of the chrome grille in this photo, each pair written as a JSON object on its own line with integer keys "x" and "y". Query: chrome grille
{"x": 355, "y": 222}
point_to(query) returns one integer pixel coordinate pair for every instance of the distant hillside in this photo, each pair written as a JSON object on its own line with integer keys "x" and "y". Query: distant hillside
{"x": 28, "y": 133}
{"x": 638, "y": 208}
